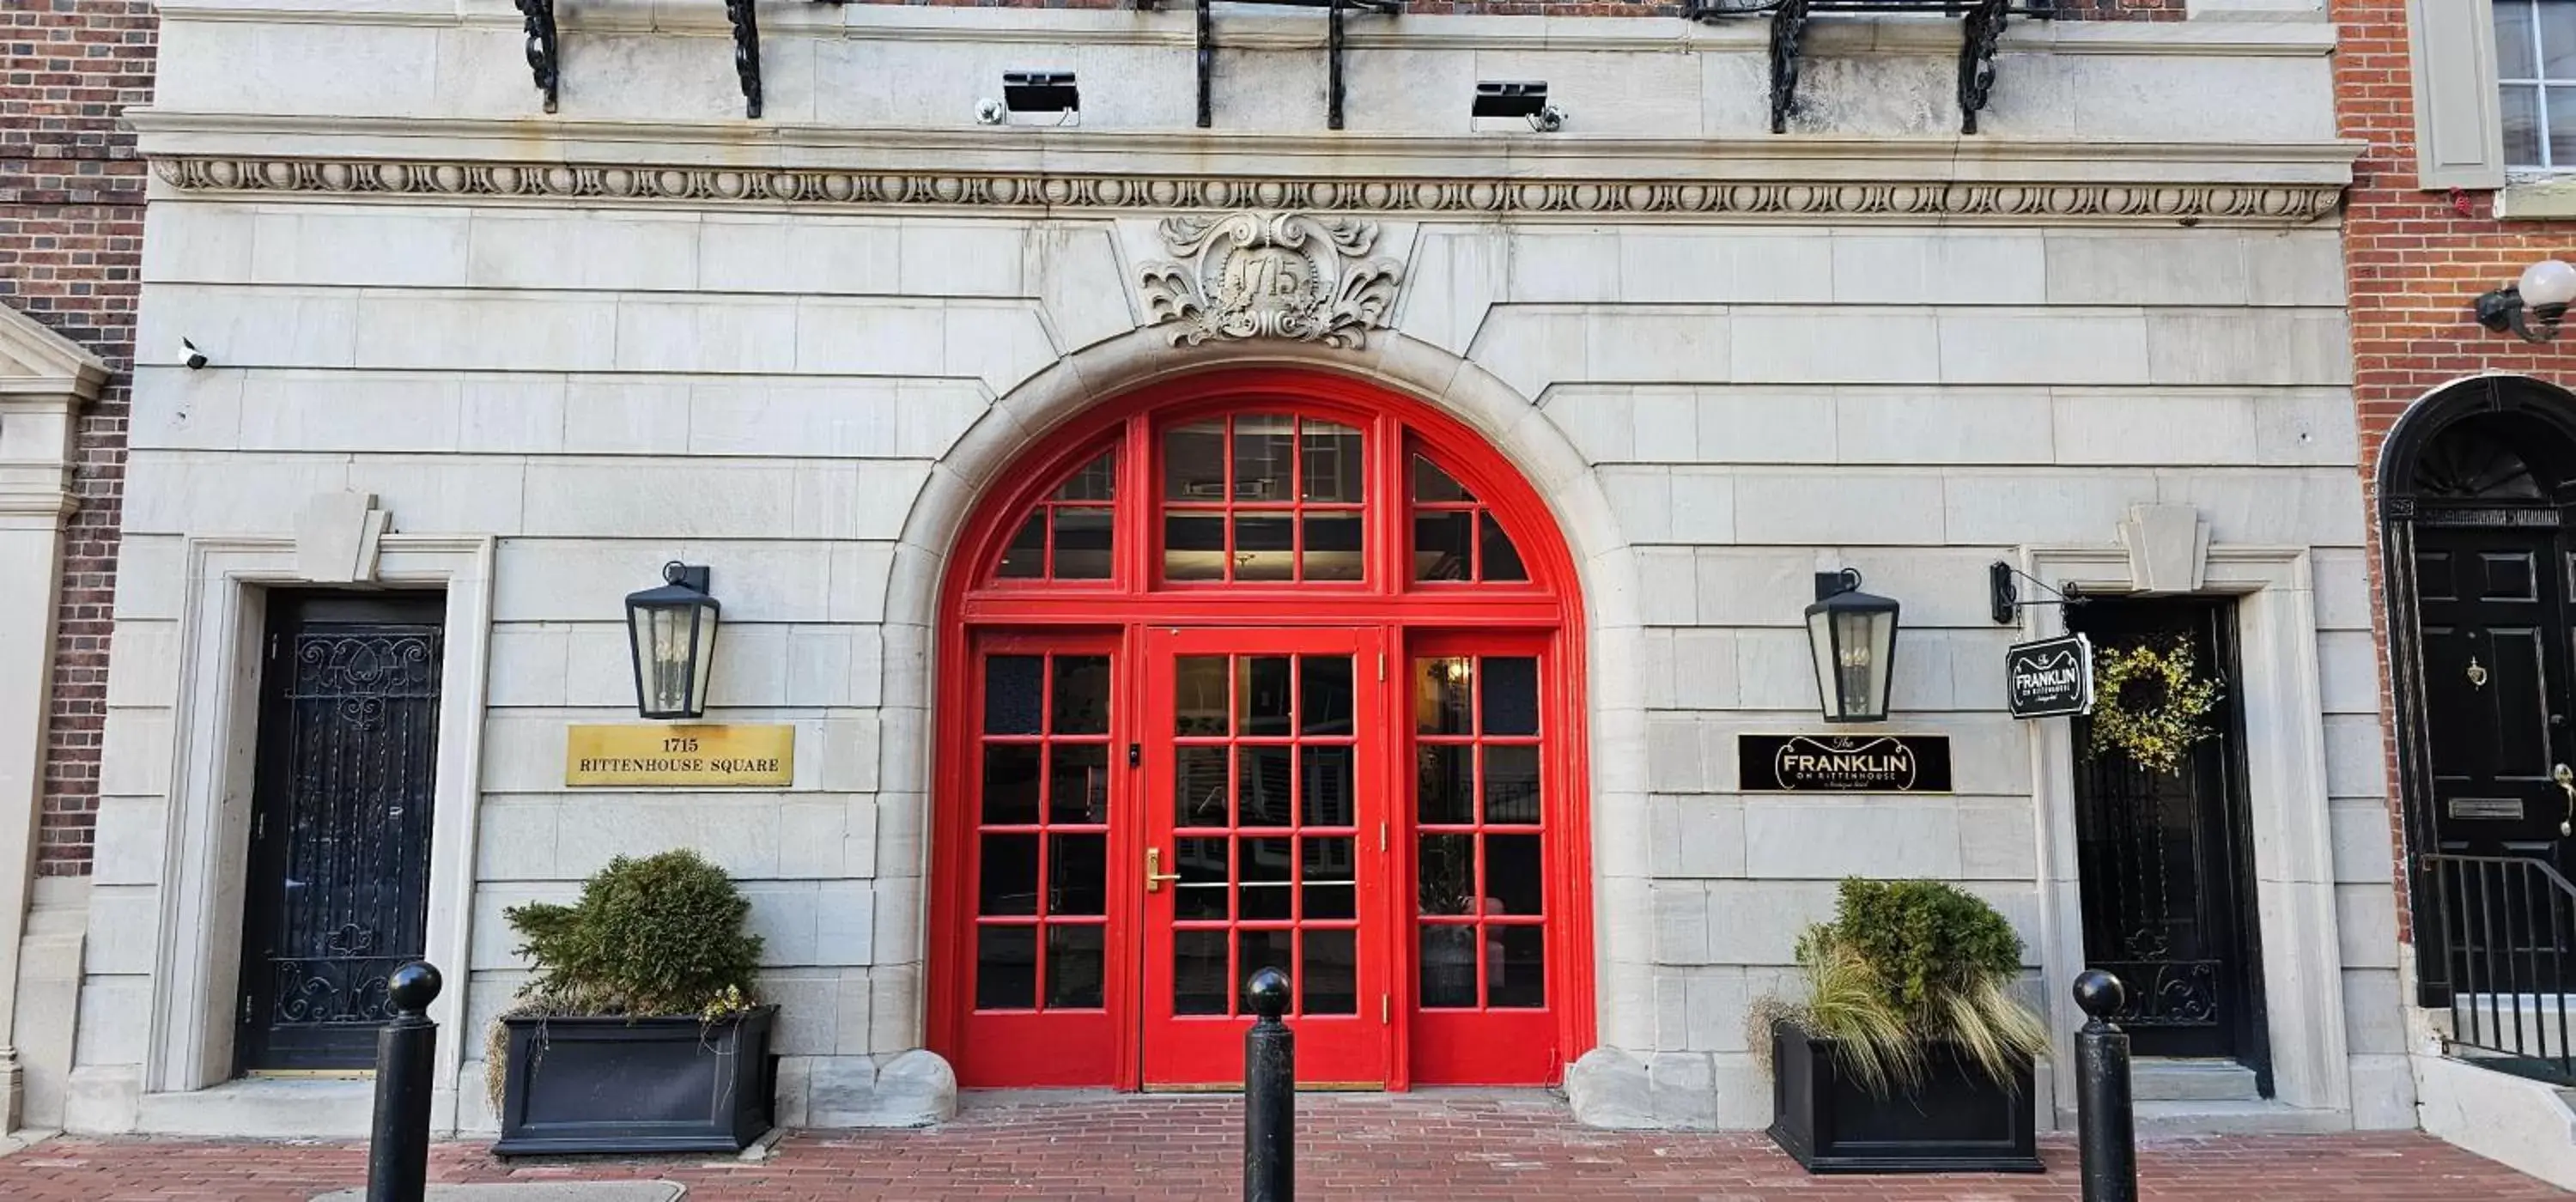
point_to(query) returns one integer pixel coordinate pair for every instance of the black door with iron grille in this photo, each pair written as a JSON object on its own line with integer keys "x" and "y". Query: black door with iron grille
{"x": 338, "y": 884}
{"x": 2165, "y": 859}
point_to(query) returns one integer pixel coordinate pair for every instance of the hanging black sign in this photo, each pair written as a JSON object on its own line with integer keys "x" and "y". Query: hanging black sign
{"x": 2049, "y": 678}
{"x": 1843, "y": 763}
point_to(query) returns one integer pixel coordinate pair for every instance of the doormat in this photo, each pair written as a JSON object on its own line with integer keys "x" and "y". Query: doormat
{"x": 538, "y": 1191}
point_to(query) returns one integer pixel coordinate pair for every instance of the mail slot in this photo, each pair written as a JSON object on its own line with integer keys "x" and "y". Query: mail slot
{"x": 2508, "y": 809}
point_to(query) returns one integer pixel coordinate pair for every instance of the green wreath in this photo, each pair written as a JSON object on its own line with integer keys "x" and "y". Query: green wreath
{"x": 2150, "y": 706}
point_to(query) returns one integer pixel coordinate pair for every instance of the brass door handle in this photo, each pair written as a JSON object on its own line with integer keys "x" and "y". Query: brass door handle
{"x": 2566, "y": 780}
{"x": 1154, "y": 874}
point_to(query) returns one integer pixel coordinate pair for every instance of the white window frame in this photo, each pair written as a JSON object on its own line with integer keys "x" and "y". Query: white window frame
{"x": 2506, "y": 78}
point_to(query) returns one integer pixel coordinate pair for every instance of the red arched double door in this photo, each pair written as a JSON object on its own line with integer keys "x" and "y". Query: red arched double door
{"x": 1260, "y": 669}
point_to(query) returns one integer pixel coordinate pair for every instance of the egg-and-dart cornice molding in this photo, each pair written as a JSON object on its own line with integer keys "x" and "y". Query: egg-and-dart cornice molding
{"x": 702, "y": 185}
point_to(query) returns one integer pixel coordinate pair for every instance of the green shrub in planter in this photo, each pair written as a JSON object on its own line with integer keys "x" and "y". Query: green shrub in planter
{"x": 1906, "y": 965}
{"x": 640, "y": 1031}
{"x": 1909, "y": 1052}
{"x": 657, "y": 936}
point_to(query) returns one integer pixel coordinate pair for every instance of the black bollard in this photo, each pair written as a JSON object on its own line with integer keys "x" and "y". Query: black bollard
{"x": 1269, "y": 1093}
{"x": 398, "y": 1144}
{"x": 2105, "y": 1121}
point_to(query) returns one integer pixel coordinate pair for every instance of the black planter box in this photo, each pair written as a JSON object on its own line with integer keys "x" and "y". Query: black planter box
{"x": 639, "y": 1085}
{"x": 1957, "y": 1120}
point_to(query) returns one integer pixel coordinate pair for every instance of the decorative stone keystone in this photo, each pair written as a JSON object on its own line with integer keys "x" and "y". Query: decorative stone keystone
{"x": 2168, "y": 548}
{"x": 336, "y": 537}
{"x": 1270, "y": 275}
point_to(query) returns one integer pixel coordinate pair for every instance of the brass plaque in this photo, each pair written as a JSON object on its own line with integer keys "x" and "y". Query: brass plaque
{"x": 679, "y": 757}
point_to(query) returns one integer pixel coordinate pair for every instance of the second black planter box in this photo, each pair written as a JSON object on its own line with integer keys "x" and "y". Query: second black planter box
{"x": 1957, "y": 1119}
{"x": 645, "y": 1085}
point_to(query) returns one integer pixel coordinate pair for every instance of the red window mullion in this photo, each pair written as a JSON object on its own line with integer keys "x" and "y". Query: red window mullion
{"x": 1046, "y": 550}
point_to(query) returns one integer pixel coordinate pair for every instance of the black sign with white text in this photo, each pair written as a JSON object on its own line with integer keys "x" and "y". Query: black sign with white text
{"x": 1843, "y": 763}
{"x": 2049, "y": 678}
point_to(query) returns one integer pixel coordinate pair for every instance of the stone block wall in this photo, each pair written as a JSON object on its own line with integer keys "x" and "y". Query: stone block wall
{"x": 71, "y": 242}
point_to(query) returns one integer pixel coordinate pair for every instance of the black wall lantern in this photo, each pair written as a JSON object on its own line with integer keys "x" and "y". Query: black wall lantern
{"x": 1853, "y": 635}
{"x": 671, "y": 631}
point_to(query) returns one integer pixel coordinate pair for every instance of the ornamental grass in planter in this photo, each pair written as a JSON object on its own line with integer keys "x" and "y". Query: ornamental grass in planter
{"x": 641, "y": 1031}
{"x": 1910, "y": 1052}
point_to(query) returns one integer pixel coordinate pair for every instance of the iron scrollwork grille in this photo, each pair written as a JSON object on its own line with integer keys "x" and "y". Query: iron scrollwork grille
{"x": 2145, "y": 867}
{"x": 2166, "y": 993}
{"x": 1981, "y": 35}
{"x": 361, "y": 708}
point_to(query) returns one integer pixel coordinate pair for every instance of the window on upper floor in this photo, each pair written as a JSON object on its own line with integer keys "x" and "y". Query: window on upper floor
{"x": 2535, "y": 55}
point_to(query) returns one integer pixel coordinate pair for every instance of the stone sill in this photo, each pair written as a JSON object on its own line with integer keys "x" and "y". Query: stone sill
{"x": 2540, "y": 198}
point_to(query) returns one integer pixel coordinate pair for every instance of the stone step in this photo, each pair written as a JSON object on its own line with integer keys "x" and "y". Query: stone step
{"x": 2236, "y": 1118}
{"x": 2158, "y": 1079}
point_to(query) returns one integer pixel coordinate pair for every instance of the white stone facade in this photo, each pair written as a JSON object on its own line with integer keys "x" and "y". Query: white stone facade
{"x": 559, "y": 351}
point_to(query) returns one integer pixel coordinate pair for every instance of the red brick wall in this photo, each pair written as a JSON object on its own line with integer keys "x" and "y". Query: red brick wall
{"x": 2414, "y": 262}
{"x": 71, "y": 248}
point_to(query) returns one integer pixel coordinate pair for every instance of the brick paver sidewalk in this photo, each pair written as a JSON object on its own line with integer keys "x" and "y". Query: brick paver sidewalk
{"x": 1425, "y": 1146}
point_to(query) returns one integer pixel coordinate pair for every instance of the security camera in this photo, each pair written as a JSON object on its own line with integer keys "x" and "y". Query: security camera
{"x": 190, "y": 355}
{"x": 990, "y": 112}
{"x": 1548, "y": 120}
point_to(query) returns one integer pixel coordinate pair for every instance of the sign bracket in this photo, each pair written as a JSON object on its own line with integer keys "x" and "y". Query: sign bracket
{"x": 2006, "y": 593}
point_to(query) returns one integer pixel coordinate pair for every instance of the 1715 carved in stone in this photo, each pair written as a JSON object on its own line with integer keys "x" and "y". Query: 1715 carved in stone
{"x": 1270, "y": 275}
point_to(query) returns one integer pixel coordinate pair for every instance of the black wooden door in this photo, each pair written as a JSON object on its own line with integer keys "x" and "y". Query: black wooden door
{"x": 2491, "y": 606}
{"x": 2164, "y": 859}
{"x": 338, "y": 884}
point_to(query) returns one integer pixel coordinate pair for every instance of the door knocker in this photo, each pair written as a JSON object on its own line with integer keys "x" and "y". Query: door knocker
{"x": 2477, "y": 673}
